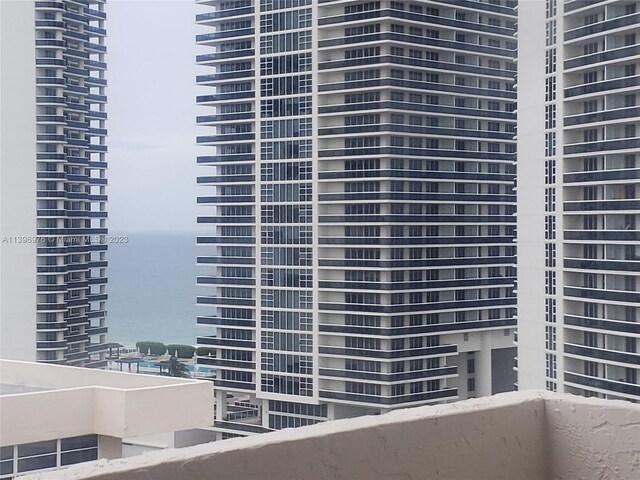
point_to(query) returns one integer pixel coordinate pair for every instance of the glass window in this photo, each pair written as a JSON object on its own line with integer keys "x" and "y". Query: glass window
{"x": 36, "y": 463}
{"x": 79, "y": 456}
{"x": 37, "y": 448}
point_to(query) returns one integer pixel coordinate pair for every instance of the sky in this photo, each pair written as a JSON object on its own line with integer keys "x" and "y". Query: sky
{"x": 151, "y": 115}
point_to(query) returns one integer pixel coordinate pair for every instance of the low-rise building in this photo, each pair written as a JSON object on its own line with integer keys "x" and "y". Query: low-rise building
{"x": 54, "y": 416}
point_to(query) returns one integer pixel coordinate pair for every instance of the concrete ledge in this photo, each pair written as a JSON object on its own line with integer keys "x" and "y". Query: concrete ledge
{"x": 520, "y": 435}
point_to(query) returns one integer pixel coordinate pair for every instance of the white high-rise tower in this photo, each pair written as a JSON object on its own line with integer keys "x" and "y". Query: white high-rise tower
{"x": 579, "y": 197}
{"x": 359, "y": 201}
{"x": 53, "y": 202}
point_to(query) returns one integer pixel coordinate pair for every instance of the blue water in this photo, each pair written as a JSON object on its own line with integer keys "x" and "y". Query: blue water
{"x": 152, "y": 289}
{"x": 190, "y": 368}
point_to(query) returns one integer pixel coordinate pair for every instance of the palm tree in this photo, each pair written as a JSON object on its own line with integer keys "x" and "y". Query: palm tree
{"x": 175, "y": 368}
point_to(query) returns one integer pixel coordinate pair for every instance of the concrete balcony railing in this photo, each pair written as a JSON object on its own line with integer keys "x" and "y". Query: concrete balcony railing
{"x": 520, "y": 435}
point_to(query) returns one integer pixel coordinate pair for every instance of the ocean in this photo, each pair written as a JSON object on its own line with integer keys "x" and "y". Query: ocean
{"x": 152, "y": 289}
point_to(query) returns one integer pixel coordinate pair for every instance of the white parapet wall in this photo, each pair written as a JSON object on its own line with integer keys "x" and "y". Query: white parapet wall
{"x": 512, "y": 436}
{"x": 59, "y": 402}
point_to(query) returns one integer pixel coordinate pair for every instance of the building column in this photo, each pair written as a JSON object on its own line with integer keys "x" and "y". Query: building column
{"x": 109, "y": 447}
{"x": 483, "y": 367}
{"x": 221, "y": 404}
{"x": 264, "y": 413}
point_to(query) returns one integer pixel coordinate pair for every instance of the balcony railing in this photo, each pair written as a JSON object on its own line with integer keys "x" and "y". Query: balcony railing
{"x": 520, "y": 435}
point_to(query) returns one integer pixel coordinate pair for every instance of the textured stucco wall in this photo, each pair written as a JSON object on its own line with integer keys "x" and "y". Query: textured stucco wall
{"x": 501, "y": 437}
{"x": 593, "y": 439}
{"x": 514, "y": 436}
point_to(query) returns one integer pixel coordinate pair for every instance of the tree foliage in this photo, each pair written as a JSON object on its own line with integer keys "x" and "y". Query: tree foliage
{"x": 176, "y": 369}
{"x": 156, "y": 348}
{"x": 205, "y": 351}
{"x": 184, "y": 351}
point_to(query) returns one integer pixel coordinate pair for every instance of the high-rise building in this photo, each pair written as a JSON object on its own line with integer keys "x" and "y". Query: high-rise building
{"x": 579, "y": 197}
{"x": 53, "y": 202}
{"x": 359, "y": 206}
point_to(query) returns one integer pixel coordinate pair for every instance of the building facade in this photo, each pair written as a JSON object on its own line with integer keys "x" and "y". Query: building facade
{"x": 579, "y": 197}
{"x": 359, "y": 208}
{"x": 53, "y": 167}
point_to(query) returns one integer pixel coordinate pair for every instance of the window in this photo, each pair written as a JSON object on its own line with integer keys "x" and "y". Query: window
{"x": 285, "y": 42}
{"x": 551, "y": 27}
{"x": 590, "y": 77}
{"x": 361, "y": 7}
{"x": 630, "y": 70}
{"x": 365, "y": 97}
{"x": 630, "y": 39}
{"x": 591, "y": 369}
{"x": 550, "y": 89}
{"x": 363, "y": 388}
{"x": 590, "y": 48}
{"x": 550, "y": 61}
{"x": 362, "y": 52}
{"x": 433, "y": 385}
{"x": 552, "y": 7}
{"x": 471, "y": 384}
{"x": 630, "y": 131}
{"x": 590, "y": 106}
{"x": 590, "y": 135}
{"x": 591, "y": 18}
{"x": 550, "y": 116}
{"x": 361, "y": 75}
{"x": 361, "y": 30}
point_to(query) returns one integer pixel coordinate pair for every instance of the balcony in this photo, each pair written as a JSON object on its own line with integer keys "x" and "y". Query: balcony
{"x": 602, "y": 146}
{"x": 602, "y": 26}
{"x": 211, "y": 38}
{"x": 413, "y": 352}
{"x": 520, "y": 435}
{"x": 210, "y": 18}
{"x": 627, "y": 113}
{"x": 210, "y": 58}
{"x": 608, "y": 86}
{"x": 212, "y": 78}
{"x": 429, "y": 19}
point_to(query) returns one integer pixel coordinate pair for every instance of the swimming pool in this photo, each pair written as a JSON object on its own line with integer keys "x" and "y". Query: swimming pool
{"x": 153, "y": 368}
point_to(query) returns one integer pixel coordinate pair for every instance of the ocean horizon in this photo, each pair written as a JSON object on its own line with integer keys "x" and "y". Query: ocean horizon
{"x": 152, "y": 288}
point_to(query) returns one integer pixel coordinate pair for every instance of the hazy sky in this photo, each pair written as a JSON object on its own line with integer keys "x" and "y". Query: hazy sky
{"x": 151, "y": 107}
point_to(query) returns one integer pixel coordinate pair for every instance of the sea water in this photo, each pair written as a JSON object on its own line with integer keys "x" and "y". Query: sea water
{"x": 152, "y": 289}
